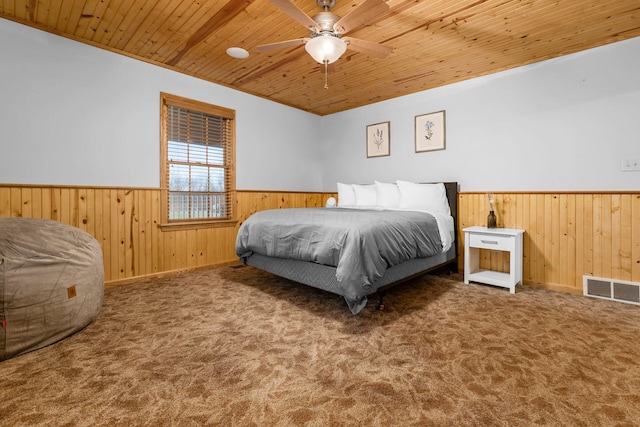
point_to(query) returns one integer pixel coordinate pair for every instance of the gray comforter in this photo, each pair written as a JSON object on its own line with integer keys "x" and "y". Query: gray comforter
{"x": 361, "y": 244}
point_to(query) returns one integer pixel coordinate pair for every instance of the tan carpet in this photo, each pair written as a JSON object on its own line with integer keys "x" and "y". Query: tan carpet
{"x": 236, "y": 346}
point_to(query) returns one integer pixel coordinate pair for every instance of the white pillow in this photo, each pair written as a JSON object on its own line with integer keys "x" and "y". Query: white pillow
{"x": 365, "y": 195}
{"x": 388, "y": 195}
{"x": 423, "y": 197}
{"x": 346, "y": 197}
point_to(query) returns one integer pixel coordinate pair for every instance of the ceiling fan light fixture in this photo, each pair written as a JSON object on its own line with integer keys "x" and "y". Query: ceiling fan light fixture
{"x": 325, "y": 48}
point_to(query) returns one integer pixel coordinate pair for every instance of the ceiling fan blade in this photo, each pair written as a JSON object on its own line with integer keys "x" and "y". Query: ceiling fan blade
{"x": 370, "y": 48}
{"x": 295, "y": 12}
{"x": 279, "y": 45}
{"x": 361, "y": 14}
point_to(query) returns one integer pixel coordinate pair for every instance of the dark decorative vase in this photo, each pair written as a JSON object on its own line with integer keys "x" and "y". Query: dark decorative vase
{"x": 491, "y": 220}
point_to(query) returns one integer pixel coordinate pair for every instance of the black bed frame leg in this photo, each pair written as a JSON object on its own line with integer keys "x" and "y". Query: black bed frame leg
{"x": 380, "y": 300}
{"x": 452, "y": 268}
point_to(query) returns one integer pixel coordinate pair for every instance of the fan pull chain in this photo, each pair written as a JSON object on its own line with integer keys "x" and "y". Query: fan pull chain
{"x": 326, "y": 74}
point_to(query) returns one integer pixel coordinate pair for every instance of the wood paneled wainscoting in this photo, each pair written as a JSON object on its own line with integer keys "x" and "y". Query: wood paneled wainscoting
{"x": 567, "y": 235}
{"x": 126, "y": 223}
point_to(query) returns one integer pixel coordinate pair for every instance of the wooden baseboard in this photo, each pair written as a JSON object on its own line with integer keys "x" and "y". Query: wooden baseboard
{"x": 146, "y": 277}
{"x": 554, "y": 287}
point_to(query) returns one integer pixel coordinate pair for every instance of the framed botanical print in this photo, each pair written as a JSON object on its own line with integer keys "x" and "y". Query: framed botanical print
{"x": 378, "y": 140}
{"x": 430, "y": 132}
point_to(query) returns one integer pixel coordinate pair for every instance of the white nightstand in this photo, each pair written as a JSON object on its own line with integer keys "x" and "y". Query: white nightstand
{"x": 496, "y": 239}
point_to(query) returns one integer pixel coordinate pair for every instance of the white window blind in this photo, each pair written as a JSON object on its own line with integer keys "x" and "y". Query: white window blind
{"x": 198, "y": 164}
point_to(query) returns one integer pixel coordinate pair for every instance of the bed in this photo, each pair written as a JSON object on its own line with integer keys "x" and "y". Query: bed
{"x": 378, "y": 236}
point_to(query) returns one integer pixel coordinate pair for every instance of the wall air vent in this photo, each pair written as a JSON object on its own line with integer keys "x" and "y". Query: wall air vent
{"x": 615, "y": 290}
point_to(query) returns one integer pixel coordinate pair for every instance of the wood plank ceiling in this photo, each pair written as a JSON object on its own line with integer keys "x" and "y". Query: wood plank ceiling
{"x": 435, "y": 42}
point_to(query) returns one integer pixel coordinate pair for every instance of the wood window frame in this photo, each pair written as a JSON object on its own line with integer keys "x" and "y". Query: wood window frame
{"x": 231, "y": 194}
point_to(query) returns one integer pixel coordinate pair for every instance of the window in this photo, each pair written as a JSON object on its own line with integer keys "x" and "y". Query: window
{"x": 198, "y": 168}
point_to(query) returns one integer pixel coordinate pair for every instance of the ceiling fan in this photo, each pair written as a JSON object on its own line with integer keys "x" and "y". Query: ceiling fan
{"x": 326, "y": 30}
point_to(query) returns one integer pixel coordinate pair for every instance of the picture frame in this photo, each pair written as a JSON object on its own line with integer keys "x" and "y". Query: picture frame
{"x": 430, "y": 132}
{"x": 379, "y": 139}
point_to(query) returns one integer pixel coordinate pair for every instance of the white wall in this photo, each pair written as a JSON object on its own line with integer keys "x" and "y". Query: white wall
{"x": 72, "y": 114}
{"x": 562, "y": 124}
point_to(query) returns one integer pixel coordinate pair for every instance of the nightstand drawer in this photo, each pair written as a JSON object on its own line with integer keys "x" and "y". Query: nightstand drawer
{"x": 495, "y": 242}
